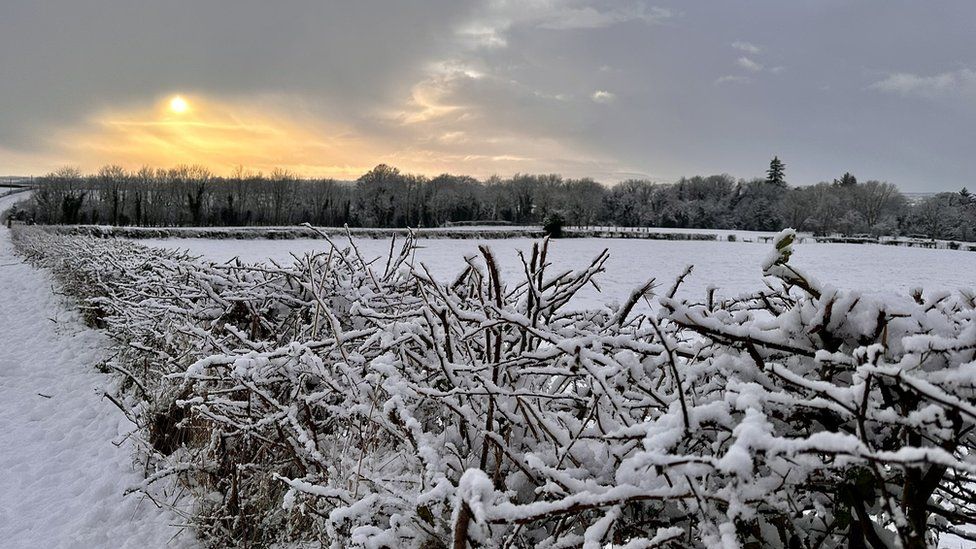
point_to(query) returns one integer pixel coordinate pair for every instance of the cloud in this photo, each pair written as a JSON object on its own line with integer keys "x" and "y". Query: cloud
{"x": 746, "y": 47}
{"x": 257, "y": 133}
{"x": 482, "y": 36}
{"x": 489, "y": 25}
{"x": 261, "y": 134}
{"x": 486, "y": 86}
{"x": 348, "y": 57}
{"x": 960, "y": 82}
{"x": 591, "y": 18}
{"x": 749, "y": 64}
{"x": 603, "y": 96}
{"x": 732, "y": 79}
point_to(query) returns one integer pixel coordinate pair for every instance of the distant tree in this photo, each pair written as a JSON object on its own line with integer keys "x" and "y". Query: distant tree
{"x": 852, "y": 222}
{"x": 632, "y": 203}
{"x": 758, "y": 206}
{"x": 523, "y": 193}
{"x": 142, "y": 196}
{"x": 553, "y": 224}
{"x": 582, "y": 200}
{"x": 451, "y": 198}
{"x": 798, "y": 207}
{"x": 60, "y": 196}
{"x": 875, "y": 200}
{"x": 776, "y": 174}
{"x": 378, "y": 193}
{"x": 847, "y": 180}
{"x": 282, "y": 190}
{"x": 195, "y": 184}
{"x": 113, "y": 182}
{"x": 826, "y": 204}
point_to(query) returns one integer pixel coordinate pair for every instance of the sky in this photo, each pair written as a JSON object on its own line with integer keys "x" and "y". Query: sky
{"x": 885, "y": 89}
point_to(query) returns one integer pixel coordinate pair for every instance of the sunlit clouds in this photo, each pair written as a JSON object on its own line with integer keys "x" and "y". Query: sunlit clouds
{"x": 220, "y": 135}
{"x": 426, "y": 135}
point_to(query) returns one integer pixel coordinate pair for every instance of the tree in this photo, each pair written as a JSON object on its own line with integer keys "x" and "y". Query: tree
{"x": 281, "y": 190}
{"x": 114, "y": 182}
{"x": 195, "y": 184}
{"x": 776, "y": 174}
{"x": 847, "y": 180}
{"x": 875, "y": 200}
{"x": 553, "y": 224}
{"x": 378, "y": 195}
{"x": 758, "y": 206}
{"x": 60, "y": 196}
{"x": 582, "y": 200}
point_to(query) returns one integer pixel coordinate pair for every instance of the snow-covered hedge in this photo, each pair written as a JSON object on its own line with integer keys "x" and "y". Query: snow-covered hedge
{"x": 369, "y": 405}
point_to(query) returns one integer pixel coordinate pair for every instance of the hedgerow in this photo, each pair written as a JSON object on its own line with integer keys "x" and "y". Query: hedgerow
{"x": 355, "y": 403}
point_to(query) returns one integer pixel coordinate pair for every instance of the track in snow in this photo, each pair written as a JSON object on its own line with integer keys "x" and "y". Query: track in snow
{"x": 62, "y": 475}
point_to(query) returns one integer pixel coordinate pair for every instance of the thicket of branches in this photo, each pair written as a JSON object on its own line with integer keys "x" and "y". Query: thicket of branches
{"x": 366, "y": 404}
{"x": 384, "y": 197}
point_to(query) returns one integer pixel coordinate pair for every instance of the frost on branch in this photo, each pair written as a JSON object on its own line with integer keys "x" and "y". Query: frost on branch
{"x": 366, "y": 404}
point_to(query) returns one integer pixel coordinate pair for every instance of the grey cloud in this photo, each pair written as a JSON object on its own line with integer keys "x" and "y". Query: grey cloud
{"x": 749, "y": 64}
{"x": 518, "y": 74}
{"x": 732, "y": 79}
{"x": 746, "y": 47}
{"x": 591, "y": 18}
{"x": 960, "y": 82}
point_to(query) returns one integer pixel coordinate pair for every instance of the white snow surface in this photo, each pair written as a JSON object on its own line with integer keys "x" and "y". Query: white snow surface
{"x": 64, "y": 459}
{"x": 732, "y": 267}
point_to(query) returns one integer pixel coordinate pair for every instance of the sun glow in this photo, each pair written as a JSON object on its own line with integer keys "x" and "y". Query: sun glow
{"x": 219, "y": 134}
{"x": 178, "y": 105}
{"x": 265, "y": 132}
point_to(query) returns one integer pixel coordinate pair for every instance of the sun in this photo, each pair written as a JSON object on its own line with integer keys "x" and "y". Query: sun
{"x": 178, "y": 105}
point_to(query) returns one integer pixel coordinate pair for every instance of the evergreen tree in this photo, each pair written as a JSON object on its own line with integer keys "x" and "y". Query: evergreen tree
{"x": 553, "y": 224}
{"x": 847, "y": 180}
{"x": 776, "y": 175}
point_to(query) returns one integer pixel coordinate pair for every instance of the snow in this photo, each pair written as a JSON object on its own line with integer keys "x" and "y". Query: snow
{"x": 64, "y": 457}
{"x": 732, "y": 267}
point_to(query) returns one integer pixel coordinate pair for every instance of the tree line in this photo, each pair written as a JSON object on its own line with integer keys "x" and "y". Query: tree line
{"x": 387, "y": 197}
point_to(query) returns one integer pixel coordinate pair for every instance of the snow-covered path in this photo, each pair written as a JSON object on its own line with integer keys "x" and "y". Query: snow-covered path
{"x": 62, "y": 477}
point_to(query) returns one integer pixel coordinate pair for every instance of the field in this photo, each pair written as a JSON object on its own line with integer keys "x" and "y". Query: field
{"x": 732, "y": 267}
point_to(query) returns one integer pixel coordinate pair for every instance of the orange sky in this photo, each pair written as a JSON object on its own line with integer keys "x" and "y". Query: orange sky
{"x": 261, "y": 133}
{"x": 220, "y": 135}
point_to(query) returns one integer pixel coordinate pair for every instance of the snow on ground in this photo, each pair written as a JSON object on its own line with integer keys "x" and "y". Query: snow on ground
{"x": 64, "y": 459}
{"x": 733, "y": 267}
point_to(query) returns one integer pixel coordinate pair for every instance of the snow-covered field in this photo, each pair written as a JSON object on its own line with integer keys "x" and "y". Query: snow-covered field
{"x": 733, "y": 267}
{"x": 65, "y": 461}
